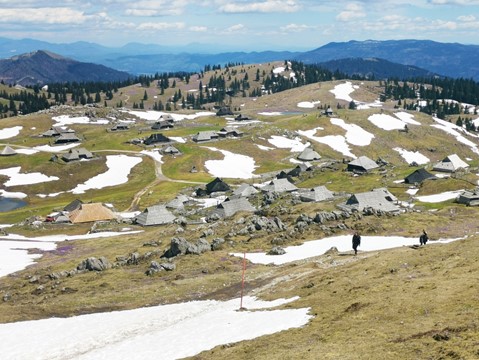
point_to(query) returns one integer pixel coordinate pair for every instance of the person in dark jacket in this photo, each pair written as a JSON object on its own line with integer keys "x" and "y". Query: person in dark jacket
{"x": 356, "y": 242}
{"x": 423, "y": 238}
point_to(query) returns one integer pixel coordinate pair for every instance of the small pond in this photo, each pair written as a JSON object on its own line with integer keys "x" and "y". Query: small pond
{"x": 9, "y": 204}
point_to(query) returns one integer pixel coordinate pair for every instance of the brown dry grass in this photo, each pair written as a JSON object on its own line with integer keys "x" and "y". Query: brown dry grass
{"x": 397, "y": 304}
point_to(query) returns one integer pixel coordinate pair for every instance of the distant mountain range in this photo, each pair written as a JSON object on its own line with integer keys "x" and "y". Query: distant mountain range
{"x": 448, "y": 59}
{"x": 42, "y": 67}
{"x": 375, "y": 68}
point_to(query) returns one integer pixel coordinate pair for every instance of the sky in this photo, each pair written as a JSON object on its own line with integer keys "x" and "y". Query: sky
{"x": 247, "y": 25}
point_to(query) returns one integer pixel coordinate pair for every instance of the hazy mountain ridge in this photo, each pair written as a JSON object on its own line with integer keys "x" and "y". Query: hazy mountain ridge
{"x": 449, "y": 59}
{"x": 375, "y": 68}
{"x": 41, "y": 67}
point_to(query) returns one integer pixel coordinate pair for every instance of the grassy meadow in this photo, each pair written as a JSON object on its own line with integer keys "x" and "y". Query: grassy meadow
{"x": 403, "y": 303}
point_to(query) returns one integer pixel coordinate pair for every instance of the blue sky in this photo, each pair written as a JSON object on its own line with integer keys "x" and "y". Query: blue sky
{"x": 240, "y": 24}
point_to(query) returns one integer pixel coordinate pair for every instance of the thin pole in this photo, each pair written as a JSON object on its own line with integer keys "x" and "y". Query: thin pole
{"x": 242, "y": 280}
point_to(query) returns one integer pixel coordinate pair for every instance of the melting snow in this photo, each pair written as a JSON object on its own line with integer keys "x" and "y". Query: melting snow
{"x": 308, "y": 104}
{"x": 455, "y": 130}
{"x": 12, "y": 195}
{"x": 355, "y": 135}
{"x": 14, "y": 249}
{"x": 16, "y": 178}
{"x": 152, "y": 115}
{"x": 232, "y": 166}
{"x": 436, "y": 198}
{"x": 342, "y": 243}
{"x": 63, "y": 120}
{"x": 284, "y": 143}
{"x": 412, "y": 156}
{"x": 336, "y": 142}
{"x": 119, "y": 167}
{"x": 26, "y": 151}
{"x": 386, "y": 122}
{"x": 8, "y": 133}
{"x": 150, "y": 332}
{"x": 406, "y": 117}
{"x": 154, "y": 154}
{"x": 56, "y": 148}
{"x": 265, "y": 148}
{"x": 342, "y": 91}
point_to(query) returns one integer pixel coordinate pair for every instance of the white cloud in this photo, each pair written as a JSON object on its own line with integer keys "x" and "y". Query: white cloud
{"x": 198, "y": 28}
{"x": 296, "y": 27}
{"x": 467, "y": 18}
{"x": 353, "y": 11}
{"x": 235, "y": 28}
{"x": 156, "y": 8}
{"x": 454, "y": 2}
{"x": 160, "y": 26}
{"x": 53, "y": 15}
{"x": 267, "y": 6}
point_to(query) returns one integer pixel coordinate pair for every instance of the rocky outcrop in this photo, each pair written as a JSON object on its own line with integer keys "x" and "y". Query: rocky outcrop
{"x": 180, "y": 246}
{"x": 94, "y": 264}
{"x": 156, "y": 267}
{"x": 277, "y": 250}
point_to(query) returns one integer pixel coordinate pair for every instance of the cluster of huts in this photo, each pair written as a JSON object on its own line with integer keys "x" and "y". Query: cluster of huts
{"x": 61, "y": 135}
{"x": 78, "y": 212}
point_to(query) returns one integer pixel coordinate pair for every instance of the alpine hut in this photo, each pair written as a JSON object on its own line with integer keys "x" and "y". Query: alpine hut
{"x": 316, "y": 194}
{"x": 361, "y": 165}
{"x": 279, "y": 185}
{"x": 155, "y": 215}
{"x": 217, "y": 185}
{"x": 418, "y": 176}
{"x": 451, "y": 163}
{"x": 8, "y": 151}
{"x": 231, "y": 206}
{"x": 309, "y": 154}
{"x": 90, "y": 213}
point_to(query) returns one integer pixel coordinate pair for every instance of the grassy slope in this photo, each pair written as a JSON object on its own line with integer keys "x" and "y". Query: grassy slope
{"x": 379, "y": 305}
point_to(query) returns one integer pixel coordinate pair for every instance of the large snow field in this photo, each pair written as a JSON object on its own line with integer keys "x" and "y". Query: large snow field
{"x": 164, "y": 332}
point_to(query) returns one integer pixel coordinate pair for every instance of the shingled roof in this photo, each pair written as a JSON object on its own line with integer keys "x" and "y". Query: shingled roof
{"x": 280, "y": 185}
{"x": 230, "y": 207}
{"x": 418, "y": 176}
{"x": 319, "y": 193}
{"x": 451, "y": 163}
{"x": 245, "y": 190}
{"x": 91, "y": 212}
{"x": 217, "y": 185}
{"x": 155, "y": 215}
{"x": 156, "y": 138}
{"x": 377, "y": 199}
{"x": 362, "y": 164}
{"x": 8, "y": 151}
{"x": 309, "y": 154}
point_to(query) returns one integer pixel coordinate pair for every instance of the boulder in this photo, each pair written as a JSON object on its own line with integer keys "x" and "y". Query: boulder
{"x": 94, "y": 264}
{"x": 277, "y": 250}
{"x": 178, "y": 246}
{"x": 168, "y": 266}
{"x": 217, "y": 244}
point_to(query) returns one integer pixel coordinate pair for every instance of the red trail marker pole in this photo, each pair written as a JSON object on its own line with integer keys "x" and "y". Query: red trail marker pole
{"x": 242, "y": 281}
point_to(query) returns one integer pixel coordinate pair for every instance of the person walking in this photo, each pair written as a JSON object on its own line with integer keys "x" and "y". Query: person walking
{"x": 423, "y": 238}
{"x": 356, "y": 242}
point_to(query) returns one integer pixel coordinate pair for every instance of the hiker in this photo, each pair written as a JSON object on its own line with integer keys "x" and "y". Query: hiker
{"x": 423, "y": 238}
{"x": 356, "y": 242}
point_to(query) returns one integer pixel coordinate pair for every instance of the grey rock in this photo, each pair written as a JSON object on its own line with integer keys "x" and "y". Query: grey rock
{"x": 277, "y": 250}
{"x": 94, "y": 264}
{"x": 168, "y": 266}
{"x": 217, "y": 244}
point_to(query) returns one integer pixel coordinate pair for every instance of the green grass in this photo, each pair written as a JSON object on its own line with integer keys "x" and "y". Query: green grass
{"x": 378, "y": 305}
